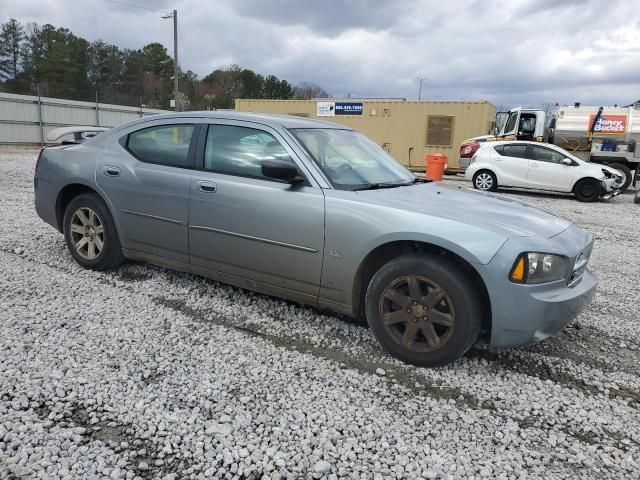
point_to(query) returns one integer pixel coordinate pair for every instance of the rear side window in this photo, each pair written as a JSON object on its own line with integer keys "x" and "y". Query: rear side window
{"x": 240, "y": 151}
{"x": 519, "y": 151}
{"x": 163, "y": 144}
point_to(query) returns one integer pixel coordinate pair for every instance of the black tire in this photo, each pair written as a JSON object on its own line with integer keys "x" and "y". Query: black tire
{"x": 485, "y": 180}
{"x": 460, "y": 304}
{"x": 627, "y": 173}
{"x": 587, "y": 190}
{"x": 110, "y": 254}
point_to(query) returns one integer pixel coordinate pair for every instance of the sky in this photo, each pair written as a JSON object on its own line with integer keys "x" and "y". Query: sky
{"x": 508, "y": 52}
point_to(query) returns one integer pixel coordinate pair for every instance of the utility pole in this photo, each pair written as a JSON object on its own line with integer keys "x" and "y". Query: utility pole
{"x": 174, "y": 15}
{"x": 421, "y": 80}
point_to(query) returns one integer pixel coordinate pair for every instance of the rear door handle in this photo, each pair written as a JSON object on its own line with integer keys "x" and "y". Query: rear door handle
{"x": 110, "y": 171}
{"x": 207, "y": 187}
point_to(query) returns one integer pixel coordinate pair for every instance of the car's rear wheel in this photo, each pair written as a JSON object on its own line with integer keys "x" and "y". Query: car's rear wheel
{"x": 628, "y": 175}
{"x": 587, "y": 190}
{"x": 90, "y": 233}
{"x": 485, "y": 180}
{"x": 423, "y": 309}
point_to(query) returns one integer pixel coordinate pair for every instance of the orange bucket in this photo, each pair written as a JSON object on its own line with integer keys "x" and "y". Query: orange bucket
{"x": 436, "y": 165}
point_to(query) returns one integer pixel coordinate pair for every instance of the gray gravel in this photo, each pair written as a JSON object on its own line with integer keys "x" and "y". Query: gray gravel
{"x": 148, "y": 373}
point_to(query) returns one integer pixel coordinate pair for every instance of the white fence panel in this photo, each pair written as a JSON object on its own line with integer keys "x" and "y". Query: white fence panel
{"x": 26, "y": 119}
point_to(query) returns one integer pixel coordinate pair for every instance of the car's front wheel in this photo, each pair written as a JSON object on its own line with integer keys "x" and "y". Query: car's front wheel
{"x": 587, "y": 190}
{"x": 423, "y": 309}
{"x": 90, "y": 233}
{"x": 485, "y": 180}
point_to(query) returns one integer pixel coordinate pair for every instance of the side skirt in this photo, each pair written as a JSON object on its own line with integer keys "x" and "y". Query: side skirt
{"x": 238, "y": 281}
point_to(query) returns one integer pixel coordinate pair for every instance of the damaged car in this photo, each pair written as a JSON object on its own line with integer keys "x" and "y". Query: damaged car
{"x": 318, "y": 214}
{"x": 540, "y": 166}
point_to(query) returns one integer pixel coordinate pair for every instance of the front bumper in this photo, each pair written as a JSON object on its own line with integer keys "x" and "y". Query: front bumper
{"x": 524, "y": 314}
{"x": 610, "y": 188}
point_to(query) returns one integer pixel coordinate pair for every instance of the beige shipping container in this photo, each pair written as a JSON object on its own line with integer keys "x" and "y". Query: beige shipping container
{"x": 407, "y": 130}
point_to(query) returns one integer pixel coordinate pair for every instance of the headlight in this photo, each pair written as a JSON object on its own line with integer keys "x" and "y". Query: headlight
{"x": 536, "y": 267}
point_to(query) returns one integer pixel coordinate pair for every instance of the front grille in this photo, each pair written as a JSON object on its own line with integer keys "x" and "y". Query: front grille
{"x": 580, "y": 265}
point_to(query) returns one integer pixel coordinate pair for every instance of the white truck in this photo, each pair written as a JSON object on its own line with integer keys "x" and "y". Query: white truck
{"x": 604, "y": 135}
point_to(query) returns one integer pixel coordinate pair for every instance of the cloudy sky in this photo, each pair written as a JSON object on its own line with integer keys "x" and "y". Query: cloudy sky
{"x": 507, "y": 51}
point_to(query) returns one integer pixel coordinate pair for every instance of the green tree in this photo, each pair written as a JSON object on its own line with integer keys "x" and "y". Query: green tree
{"x": 11, "y": 38}
{"x": 105, "y": 70}
{"x": 277, "y": 89}
{"x": 252, "y": 84}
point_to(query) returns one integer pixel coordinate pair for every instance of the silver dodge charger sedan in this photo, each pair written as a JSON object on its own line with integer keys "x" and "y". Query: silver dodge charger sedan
{"x": 317, "y": 213}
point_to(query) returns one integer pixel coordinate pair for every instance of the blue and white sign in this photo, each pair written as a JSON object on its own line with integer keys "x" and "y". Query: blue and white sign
{"x": 349, "y": 108}
{"x": 331, "y": 109}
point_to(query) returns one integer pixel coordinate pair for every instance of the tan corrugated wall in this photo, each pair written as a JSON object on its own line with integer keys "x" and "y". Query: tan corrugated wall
{"x": 403, "y": 126}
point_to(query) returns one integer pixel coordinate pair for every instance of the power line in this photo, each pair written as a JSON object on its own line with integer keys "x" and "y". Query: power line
{"x": 134, "y": 6}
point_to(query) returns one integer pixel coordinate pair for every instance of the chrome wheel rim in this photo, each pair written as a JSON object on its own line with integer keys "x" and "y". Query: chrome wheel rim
{"x": 484, "y": 181}
{"x": 87, "y": 233}
{"x": 417, "y": 313}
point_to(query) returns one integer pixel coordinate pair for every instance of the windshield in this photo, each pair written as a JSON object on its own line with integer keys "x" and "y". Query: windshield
{"x": 350, "y": 160}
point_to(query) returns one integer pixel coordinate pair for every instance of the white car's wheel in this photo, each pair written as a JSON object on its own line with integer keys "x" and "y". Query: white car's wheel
{"x": 485, "y": 180}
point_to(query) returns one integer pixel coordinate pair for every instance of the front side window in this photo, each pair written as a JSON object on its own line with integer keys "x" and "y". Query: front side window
{"x": 518, "y": 151}
{"x": 240, "y": 151}
{"x": 511, "y": 122}
{"x": 543, "y": 154}
{"x": 350, "y": 160}
{"x": 164, "y": 144}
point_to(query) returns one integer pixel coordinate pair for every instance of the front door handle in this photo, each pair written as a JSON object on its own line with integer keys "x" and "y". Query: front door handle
{"x": 207, "y": 187}
{"x": 110, "y": 171}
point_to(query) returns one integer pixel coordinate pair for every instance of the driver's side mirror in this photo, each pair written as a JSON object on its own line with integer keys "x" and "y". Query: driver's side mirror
{"x": 567, "y": 161}
{"x": 281, "y": 170}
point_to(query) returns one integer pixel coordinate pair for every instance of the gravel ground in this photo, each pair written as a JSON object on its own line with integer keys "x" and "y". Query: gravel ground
{"x": 148, "y": 373}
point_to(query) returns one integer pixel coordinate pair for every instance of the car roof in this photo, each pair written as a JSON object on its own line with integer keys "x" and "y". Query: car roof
{"x": 270, "y": 119}
{"x": 507, "y": 142}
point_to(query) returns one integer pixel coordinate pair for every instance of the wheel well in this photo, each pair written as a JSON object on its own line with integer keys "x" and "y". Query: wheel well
{"x": 384, "y": 253}
{"x": 67, "y": 194}
{"x": 484, "y": 169}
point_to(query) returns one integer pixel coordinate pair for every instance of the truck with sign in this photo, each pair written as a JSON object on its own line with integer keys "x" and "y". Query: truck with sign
{"x": 604, "y": 135}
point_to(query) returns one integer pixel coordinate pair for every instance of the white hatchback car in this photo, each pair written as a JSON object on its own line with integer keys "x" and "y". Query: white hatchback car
{"x": 540, "y": 166}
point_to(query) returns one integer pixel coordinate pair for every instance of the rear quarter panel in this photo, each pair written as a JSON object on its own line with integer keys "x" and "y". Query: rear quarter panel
{"x": 61, "y": 167}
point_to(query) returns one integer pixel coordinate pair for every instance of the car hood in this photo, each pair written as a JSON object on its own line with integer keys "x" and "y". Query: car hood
{"x": 497, "y": 213}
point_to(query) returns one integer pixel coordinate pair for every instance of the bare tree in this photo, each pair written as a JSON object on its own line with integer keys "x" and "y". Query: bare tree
{"x": 309, "y": 90}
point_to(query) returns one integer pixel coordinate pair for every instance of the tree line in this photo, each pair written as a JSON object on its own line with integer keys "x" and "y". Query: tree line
{"x": 56, "y": 63}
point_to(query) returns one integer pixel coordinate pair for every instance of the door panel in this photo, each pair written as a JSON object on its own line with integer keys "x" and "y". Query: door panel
{"x": 547, "y": 172}
{"x": 511, "y": 164}
{"x": 246, "y": 225}
{"x": 266, "y": 231}
{"x": 151, "y": 201}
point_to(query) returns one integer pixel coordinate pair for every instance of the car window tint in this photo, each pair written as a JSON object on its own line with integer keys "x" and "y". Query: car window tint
{"x": 165, "y": 144}
{"x": 543, "y": 154}
{"x": 241, "y": 150}
{"x": 499, "y": 149}
{"x": 518, "y": 151}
